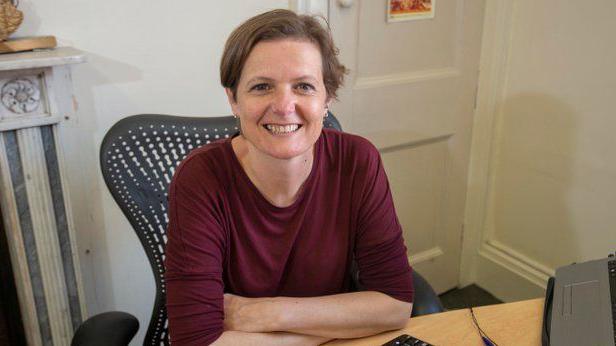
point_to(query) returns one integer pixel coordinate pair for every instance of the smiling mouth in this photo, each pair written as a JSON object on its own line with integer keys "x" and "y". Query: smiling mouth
{"x": 282, "y": 129}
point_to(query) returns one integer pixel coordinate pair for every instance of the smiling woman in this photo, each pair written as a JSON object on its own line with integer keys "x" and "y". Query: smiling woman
{"x": 265, "y": 227}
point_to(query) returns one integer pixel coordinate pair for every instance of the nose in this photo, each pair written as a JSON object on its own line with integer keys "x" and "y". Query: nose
{"x": 284, "y": 102}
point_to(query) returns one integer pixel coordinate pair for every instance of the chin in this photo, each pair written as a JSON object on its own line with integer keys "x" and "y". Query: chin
{"x": 286, "y": 155}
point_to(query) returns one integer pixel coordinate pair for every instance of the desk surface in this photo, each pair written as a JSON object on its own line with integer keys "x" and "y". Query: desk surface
{"x": 516, "y": 323}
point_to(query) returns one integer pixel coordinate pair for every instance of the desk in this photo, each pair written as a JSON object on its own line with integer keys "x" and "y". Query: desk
{"x": 516, "y": 323}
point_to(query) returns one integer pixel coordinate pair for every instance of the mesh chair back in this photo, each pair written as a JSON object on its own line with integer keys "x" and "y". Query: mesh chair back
{"x": 138, "y": 157}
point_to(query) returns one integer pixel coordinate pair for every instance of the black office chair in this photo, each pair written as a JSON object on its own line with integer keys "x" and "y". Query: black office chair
{"x": 138, "y": 157}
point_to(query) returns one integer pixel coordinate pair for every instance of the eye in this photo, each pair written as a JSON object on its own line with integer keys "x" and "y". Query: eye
{"x": 305, "y": 87}
{"x": 260, "y": 87}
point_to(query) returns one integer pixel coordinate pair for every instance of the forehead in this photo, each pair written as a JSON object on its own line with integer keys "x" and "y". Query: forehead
{"x": 283, "y": 58}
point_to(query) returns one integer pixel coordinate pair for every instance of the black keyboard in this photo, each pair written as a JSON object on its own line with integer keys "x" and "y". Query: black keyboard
{"x": 406, "y": 340}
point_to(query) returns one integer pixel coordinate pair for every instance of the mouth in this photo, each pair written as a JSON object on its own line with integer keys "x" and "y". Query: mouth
{"x": 276, "y": 129}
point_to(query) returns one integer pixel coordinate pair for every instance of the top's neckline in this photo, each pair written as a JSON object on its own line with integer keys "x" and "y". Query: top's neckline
{"x": 306, "y": 186}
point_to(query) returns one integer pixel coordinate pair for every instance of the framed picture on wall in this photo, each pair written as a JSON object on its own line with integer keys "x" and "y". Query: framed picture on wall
{"x": 401, "y": 10}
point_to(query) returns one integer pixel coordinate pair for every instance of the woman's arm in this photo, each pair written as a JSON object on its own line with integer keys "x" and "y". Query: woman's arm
{"x": 347, "y": 315}
{"x": 274, "y": 339}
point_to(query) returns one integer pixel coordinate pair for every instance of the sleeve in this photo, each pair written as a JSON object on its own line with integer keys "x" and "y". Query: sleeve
{"x": 194, "y": 259}
{"x": 379, "y": 246}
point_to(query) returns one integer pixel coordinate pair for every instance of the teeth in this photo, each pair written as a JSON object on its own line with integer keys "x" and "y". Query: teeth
{"x": 280, "y": 129}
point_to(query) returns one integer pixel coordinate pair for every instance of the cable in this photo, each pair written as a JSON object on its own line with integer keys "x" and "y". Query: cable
{"x": 484, "y": 337}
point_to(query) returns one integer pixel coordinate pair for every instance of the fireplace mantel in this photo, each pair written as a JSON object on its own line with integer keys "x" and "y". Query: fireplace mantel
{"x": 35, "y": 98}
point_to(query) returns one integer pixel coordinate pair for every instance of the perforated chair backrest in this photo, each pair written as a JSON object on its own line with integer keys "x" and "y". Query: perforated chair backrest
{"x": 138, "y": 158}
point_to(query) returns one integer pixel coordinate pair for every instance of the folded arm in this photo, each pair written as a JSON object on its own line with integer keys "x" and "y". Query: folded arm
{"x": 347, "y": 315}
{"x": 274, "y": 339}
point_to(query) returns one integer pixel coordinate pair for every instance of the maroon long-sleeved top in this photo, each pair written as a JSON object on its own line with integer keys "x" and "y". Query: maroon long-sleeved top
{"x": 225, "y": 237}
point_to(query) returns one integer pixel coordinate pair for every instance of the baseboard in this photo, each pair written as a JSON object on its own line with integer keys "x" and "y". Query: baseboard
{"x": 509, "y": 275}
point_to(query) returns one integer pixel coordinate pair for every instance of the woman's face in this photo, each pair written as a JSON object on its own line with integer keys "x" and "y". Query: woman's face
{"x": 281, "y": 99}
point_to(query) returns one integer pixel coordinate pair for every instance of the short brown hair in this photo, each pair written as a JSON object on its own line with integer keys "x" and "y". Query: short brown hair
{"x": 275, "y": 25}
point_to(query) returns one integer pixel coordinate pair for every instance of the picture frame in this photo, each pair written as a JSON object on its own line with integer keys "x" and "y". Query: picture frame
{"x": 403, "y": 10}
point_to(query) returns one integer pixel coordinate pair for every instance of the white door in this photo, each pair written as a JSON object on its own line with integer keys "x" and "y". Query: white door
{"x": 411, "y": 91}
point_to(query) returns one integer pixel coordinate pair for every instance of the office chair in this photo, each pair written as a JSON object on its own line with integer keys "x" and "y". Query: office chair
{"x": 138, "y": 157}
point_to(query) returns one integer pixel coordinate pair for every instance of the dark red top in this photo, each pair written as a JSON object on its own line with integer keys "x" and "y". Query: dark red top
{"x": 224, "y": 236}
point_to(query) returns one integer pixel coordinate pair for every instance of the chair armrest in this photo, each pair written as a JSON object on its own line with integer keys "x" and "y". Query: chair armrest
{"x": 425, "y": 301}
{"x": 113, "y": 328}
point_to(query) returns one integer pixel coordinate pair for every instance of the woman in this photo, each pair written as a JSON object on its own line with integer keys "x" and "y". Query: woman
{"x": 264, "y": 227}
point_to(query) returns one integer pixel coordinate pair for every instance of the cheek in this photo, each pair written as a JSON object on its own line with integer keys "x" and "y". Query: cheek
{"x": 315, "y": 125}
{"x": 252, "y": 110}
{"x": 316, "y": 110}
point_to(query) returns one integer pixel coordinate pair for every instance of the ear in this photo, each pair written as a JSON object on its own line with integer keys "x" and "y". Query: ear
{"x": 232, "y": 102}
{"x": 328, "y": 103}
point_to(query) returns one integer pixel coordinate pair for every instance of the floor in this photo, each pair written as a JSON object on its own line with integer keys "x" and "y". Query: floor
{"x": 472, "y": 295}
{"x": 4, "y": 334}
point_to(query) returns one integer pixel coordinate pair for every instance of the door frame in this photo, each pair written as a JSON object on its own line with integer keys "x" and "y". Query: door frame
{"x": 310, "y": 7}
{"x": 503, "y": 271}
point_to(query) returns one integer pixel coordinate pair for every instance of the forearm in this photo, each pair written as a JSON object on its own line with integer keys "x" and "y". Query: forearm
{"x": 273, "y": 338}
{"x": 347, "y": 315}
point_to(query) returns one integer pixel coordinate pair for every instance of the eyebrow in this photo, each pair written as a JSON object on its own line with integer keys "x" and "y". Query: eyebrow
{"x": 266, "y": 79}
{"x": 259, "y": 79}
{"x": 306, "y": 77}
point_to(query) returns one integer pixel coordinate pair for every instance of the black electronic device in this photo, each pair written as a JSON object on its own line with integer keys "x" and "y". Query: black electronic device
{"x": 580, "y": 304}
{"x": 406, "y": 340}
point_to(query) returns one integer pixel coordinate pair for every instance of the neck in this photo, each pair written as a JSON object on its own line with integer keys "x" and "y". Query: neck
{"x": 278, "y": 180}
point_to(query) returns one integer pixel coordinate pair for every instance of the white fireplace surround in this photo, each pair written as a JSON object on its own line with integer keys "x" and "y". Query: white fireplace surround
{"x": 35, "y": 98}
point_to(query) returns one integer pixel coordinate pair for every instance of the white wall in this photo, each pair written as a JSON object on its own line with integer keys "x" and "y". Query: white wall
{"x": 543, "y": 181}
{"x": 144, "y": 56}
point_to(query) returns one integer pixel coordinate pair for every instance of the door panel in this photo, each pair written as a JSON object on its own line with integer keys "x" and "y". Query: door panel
{"x": 416, "y": 45}
{"x": 411, "y": 92}
{"x": 418, "y": 193}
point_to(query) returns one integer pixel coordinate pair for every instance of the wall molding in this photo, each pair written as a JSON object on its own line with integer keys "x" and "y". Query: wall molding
{"x": 426, "y": 255}
{"x": 516, "y": 262}
{"x": 363, "y": 83}
{"x": 506, "y": 278}
{"x": 416, "y": 143}
{"x": 387, "y": 141}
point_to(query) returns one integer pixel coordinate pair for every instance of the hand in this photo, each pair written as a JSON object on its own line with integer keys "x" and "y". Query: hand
{"x": 245, "y": 314}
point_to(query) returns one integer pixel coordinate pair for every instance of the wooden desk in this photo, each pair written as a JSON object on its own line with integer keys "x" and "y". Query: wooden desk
{"x": 516, "y": 323}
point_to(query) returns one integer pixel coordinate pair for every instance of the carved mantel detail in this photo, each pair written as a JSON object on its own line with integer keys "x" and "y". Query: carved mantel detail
{"x": 20, "y": 95}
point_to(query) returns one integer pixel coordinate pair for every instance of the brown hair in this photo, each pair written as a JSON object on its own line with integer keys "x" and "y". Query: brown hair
{"x": 275, "y": 25}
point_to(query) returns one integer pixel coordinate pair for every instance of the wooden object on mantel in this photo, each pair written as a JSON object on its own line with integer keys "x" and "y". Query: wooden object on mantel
{"x": 27, "y": 43}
